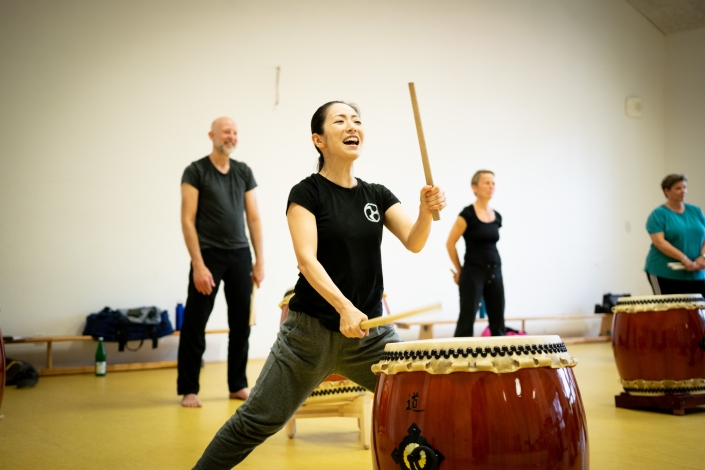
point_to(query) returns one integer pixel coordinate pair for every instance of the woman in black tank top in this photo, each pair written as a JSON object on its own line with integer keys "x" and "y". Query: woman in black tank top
{"x": 480, "y": 276}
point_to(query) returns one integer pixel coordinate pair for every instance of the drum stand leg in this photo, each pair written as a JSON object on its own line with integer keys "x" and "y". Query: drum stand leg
{"x": 360, "y": 408}
{"x": 291, "y": 428}
{"x": 365, "y": 421}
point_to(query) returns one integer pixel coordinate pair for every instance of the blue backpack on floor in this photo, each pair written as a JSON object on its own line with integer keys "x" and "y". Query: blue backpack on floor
{"x": 126, "y": 325}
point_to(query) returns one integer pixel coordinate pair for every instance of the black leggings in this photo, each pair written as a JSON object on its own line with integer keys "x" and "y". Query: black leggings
{"x": 477, "y": 283}
{"x": 665, "y": 286}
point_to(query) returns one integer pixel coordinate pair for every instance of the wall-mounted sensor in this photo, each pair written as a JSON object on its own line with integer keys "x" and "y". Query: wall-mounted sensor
{"x": 634, "y": 107}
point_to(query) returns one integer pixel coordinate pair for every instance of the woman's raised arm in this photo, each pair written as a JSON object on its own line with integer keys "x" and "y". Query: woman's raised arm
{"x": 414, "y": 235}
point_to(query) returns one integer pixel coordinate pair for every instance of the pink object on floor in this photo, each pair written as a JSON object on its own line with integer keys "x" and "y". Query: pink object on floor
{"x": 510, "y": 332}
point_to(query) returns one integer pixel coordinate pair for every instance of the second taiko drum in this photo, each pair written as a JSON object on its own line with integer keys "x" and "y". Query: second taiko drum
{"x": 659, "y": 344}
{"x": 478, "y": 403}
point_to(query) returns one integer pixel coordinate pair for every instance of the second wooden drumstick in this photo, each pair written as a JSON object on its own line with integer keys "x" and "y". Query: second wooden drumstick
{"x": 422, "y": 143}
{"x": 379, "y": 321}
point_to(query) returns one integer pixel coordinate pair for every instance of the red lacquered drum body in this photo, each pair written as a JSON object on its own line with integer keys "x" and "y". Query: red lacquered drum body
{"x": 658, "y": 345}
{"x": 518, "y": 411}
{"x": 2, "y": 369}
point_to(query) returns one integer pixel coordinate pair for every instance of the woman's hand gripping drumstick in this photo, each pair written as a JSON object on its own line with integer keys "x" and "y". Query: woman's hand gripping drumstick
{"x": 424, "y": 153}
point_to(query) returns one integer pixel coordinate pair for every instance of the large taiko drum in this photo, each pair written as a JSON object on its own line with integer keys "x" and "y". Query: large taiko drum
{"x": 658, "y": 344}
{"x": 478, "y": 403}
{"x": 334, "y": 388}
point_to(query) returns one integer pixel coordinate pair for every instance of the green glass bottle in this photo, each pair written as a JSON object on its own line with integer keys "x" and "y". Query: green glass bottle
{"x": 100, "y": 364}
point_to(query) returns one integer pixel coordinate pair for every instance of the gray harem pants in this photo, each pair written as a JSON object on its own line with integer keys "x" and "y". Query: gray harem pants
{"x": 303, "y": 355}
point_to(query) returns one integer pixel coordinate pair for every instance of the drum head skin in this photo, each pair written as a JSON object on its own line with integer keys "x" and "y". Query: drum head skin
{"x": 659, "y": 303}
{"x": 501, "y": 354}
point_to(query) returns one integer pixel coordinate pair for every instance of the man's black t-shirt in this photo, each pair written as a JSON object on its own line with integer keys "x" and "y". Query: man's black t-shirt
{"x": 481, "y": 238}
{"x": 349, "y": 222}
{"x": 221, "y": 203}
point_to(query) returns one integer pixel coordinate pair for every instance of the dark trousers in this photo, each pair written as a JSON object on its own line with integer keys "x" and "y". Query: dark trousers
{"x": 665, "y": 286}
{"x": 476, "y": 283}
{"x": 234, "y": 268}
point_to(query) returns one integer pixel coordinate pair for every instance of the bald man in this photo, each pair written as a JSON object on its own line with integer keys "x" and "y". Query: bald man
{"x": 215, "y": 191}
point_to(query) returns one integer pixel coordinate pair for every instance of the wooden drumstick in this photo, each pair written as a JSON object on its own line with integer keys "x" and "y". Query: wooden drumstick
{"x": 379, "y": 321}
{"x": 422, "y": 144}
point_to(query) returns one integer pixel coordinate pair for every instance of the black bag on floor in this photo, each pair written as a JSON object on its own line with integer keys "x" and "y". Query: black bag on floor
{"x": 609, "y": 301}
{"x": 20, "y": 373}
{"x": 126, "y": 325}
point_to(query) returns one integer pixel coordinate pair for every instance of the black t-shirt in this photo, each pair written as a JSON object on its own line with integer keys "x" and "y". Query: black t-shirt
{"x": 349, "y": 222}
{"x": 221, "y": 203}
{"x": 481, "y": 238}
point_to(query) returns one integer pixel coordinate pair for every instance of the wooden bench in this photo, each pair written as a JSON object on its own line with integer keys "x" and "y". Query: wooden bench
{"x": 426, "y": 326}
{"x": 51, "y": 370}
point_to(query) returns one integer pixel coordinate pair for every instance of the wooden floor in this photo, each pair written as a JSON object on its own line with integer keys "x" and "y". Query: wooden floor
{"x": 132, "y": 420}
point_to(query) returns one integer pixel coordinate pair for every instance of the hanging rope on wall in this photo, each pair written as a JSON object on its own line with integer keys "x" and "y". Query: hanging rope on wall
{"x": 276, "y": 87}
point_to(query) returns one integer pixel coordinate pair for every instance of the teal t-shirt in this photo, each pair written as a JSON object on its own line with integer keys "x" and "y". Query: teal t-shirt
{"x": 685, "y": 231}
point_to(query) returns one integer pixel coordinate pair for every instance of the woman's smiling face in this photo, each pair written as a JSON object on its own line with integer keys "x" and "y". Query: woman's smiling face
{"x": 343, "y": 133}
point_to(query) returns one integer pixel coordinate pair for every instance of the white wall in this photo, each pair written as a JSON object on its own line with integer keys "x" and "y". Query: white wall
{"x": 685, "y": 110}
{"x": 103, "y": 104}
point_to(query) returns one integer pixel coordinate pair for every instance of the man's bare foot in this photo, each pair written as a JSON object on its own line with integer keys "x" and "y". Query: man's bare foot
{"x": 191, "y": 400}
{"x": 241, "y": 394}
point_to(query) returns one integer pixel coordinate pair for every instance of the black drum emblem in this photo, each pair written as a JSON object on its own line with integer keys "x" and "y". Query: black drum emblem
{"x": 414, "y": 452}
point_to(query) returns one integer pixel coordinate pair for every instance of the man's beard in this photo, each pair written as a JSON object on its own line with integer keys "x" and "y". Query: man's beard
{"x": 226, "y": 150}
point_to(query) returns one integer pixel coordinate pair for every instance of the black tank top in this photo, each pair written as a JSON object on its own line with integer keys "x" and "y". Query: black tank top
{"x": 481, "y": 238}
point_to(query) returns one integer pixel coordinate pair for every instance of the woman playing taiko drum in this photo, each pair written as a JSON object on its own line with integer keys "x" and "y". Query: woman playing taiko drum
{"x": 336, "y": 223}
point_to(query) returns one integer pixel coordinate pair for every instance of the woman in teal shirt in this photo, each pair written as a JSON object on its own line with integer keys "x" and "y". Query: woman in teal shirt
{"x": 676, "y": 260}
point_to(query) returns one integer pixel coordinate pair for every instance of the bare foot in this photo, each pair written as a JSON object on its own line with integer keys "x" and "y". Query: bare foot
{"x": 241, "y": 394}
{"x": 191, "y": 400}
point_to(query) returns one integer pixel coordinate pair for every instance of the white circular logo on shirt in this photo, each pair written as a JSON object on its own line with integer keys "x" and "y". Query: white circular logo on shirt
{"x": 371, "y": 212}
